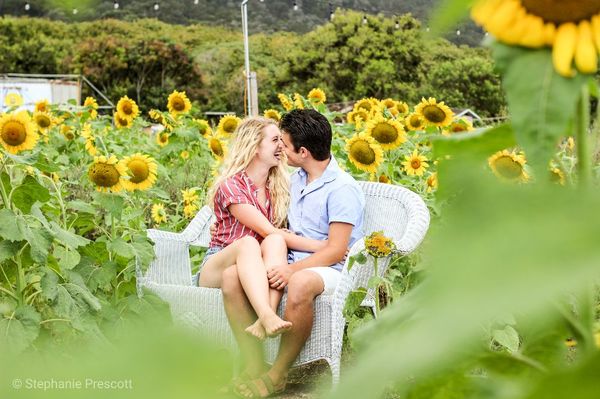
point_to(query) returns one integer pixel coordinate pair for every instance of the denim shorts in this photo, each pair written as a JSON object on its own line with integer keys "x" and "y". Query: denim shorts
{"x": 211, "y": 251}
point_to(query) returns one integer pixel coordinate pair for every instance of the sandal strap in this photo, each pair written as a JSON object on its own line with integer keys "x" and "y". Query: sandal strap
{"x": 268, "y": 383}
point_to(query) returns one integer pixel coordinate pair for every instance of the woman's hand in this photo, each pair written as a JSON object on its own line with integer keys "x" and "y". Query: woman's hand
{"x": 279, "y": 276}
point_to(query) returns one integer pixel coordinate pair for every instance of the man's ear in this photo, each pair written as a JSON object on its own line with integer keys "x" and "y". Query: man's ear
{"x": 304, "y": 152}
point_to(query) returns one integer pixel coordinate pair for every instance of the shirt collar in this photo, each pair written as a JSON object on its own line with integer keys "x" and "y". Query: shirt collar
{"x": 329, "y": 173}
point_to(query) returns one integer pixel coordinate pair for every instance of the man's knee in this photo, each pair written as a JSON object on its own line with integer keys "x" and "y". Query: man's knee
{"x": 303, "y": 287}
{"x": 230, "y": 281}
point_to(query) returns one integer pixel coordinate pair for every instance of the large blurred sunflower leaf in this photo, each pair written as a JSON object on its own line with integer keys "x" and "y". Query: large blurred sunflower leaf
{"x": 541, "y": 102}
{"x": 28, "y": 193}
{"x": 501, "y": 249}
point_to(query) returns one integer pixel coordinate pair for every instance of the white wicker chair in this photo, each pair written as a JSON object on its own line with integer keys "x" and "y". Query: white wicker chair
{"x": 400, "y": 213}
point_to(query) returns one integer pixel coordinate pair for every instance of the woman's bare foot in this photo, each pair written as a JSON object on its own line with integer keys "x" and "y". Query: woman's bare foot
{"x": 274, "y": 325}
{"x": 257, "y": 330}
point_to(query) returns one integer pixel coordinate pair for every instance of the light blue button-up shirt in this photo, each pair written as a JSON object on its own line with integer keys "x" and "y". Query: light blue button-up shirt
{"x": 334, "y": 197}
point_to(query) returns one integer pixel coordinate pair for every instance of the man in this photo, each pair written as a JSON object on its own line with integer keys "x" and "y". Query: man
{"x": 326, "y": 203}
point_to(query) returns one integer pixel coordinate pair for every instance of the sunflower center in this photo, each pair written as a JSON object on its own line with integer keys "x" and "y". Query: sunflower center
{"x": 415, "y": 121}
{"x": 139, "y": 170}
{"x": 164, "y": 138}
{"x": 365, "y": 105}
{"x": 384, "y": 133}
{"x": 127, "y": 108}
{"x": 458, "y": 127}
{"x": 229, "y": 126}
{"x": 14, "y": 133}
{"x": 434, "y": 113}
{"x": 362, "y": 152}
{"x": 560, "y": 11}
{"x": 508, "y": 168}
{"x": 178, "y": 104}
{"x": 43, "y": 122}
{"x": 216, "y": 147}
{"x": 415, "y": 163}
{"x": 104, "y": 175}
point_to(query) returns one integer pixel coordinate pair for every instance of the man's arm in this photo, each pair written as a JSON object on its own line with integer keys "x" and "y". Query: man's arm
{"x": 333, "y": 252}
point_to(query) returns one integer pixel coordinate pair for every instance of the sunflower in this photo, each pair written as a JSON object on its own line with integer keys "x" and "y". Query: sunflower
{"x": 141, "y": 170}
{"x": 378, "y": 245}
{"x": 364, "y": 152}
{"x": 68, "y": 132}
{"x": 298, "y": 101}
{"x": 43, "y": 121}
{"x": 402, "y": 107}
{"x": 354, "y": 115}
{"x": 458, "y": 126}
{"x": 189, "y": 195}
{"x": 434, "y": 113}
{"x": 189, "y": 211}
{"x": 203, "y": 127}
{"x": 509, "y": 165}
{"x": 572, "y": 28}
{"x": 570, "y": 143}
{"x": 90, "y": 146}
{"x": 121, "y": 122}
{"x": 432, "y": 182}
{"x": 366, "y": 103}
{"x": 184, "y": 154}
{"x": 415, "y": 164}
{"x": 17, "y": 132}
{"x": 316, "y": 96}
{"x": 388, "y": 132}
{"x": 272, "y": 114}
{"x": 92, "y": 106}
{"x": 107, "y": 174}
{"x": 13, "y": 100}
{"x": 42, "y": 106}
{"x": 127, "y": 109}
{"x": 383, "y": 179}
{"x": 158, "y": 213}
{"x": 414, "y": 122}
{"x": 178, "y": 103}
{"x": 162, "y": 139}
{"x": 155, "y": 115}
{"x": 217, "y": 147}
{"x": 228, "y": 124}
{"x": 286, "y": 103}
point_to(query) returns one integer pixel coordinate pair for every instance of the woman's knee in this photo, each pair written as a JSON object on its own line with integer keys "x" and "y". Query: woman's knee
{"x": 230, "y": 280}
{"x": 247, "y": 243}
{"x": 273, "y": 241}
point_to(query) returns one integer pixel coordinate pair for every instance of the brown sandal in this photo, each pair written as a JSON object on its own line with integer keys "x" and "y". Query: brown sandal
{"x": 254, "y": 390}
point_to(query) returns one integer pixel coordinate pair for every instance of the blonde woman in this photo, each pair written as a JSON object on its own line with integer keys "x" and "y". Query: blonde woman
{"x": 250, "y": 200}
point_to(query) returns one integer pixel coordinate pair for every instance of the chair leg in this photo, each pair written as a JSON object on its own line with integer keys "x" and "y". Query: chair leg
{"x": 334, "y": 365}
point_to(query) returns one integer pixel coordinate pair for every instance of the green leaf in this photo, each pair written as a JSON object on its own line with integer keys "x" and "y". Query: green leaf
{"x": 28, "y": 193}
{"x": 66, "y": 237}
{"x": 20, "y": 331}
{"x": 5, "y": 181}
{"x": 112, "y": 203}
{"x": 9, "y": 228}
{"x": 541, "y": 102}
{"x": 49, "y": 285}
{"x": 353, "y": 301}
{"x": 67, "y": 258}
{"x": 121, "y": 248}
{"x": 8, "y": 249}
{"x": 81, "y": 206}
{"x": 448, "y": 13}
{"x": 39, "y": 238}
{"x": 508, "y": 338}
{"x": 144, "y": 251}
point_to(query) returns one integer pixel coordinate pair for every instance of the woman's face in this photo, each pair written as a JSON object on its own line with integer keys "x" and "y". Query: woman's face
{"x": 270, "y": 149}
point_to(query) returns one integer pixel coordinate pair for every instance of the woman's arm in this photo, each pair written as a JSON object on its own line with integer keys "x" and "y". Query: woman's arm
{"x": 252, "y": 218}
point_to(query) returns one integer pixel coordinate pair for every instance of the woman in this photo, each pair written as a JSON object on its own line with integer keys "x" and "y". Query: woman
{"x": 250, "y": 201}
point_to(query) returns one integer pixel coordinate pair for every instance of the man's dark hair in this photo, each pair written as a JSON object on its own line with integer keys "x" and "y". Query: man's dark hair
{"x": 309, "y": 129}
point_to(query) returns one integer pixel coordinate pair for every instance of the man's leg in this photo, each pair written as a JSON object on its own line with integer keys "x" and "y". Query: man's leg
{"x": 241, "y": 314}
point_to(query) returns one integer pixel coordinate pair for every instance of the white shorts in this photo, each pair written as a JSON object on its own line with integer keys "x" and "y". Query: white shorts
{"x": 330, "y": 277}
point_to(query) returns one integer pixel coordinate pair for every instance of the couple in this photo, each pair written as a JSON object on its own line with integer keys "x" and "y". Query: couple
{"x": 253, "y": 257}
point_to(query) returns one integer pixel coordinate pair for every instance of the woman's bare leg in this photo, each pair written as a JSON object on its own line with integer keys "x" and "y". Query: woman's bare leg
{"x": 247, "y": 255}
{"x": 274, "y": 253}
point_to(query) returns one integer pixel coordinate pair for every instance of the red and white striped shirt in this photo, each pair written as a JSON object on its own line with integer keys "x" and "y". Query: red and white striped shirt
{"x": 238, "y": 189}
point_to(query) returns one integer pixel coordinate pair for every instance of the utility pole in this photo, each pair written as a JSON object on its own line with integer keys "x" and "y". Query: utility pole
{"x": 251, "y": 84}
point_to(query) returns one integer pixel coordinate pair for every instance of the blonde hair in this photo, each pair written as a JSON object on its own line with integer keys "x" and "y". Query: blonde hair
{"x": 243, "y": 147}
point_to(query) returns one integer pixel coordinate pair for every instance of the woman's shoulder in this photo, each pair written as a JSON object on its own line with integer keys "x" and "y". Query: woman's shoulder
{"x": 231, "y": 183}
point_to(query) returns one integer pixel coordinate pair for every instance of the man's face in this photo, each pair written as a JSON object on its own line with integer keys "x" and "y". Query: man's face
{"x": 293, "y": 158}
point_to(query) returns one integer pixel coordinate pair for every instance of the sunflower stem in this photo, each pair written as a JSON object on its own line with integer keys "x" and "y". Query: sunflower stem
{"x": 2, "y": 189}
{"x": 582, "y": 122}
